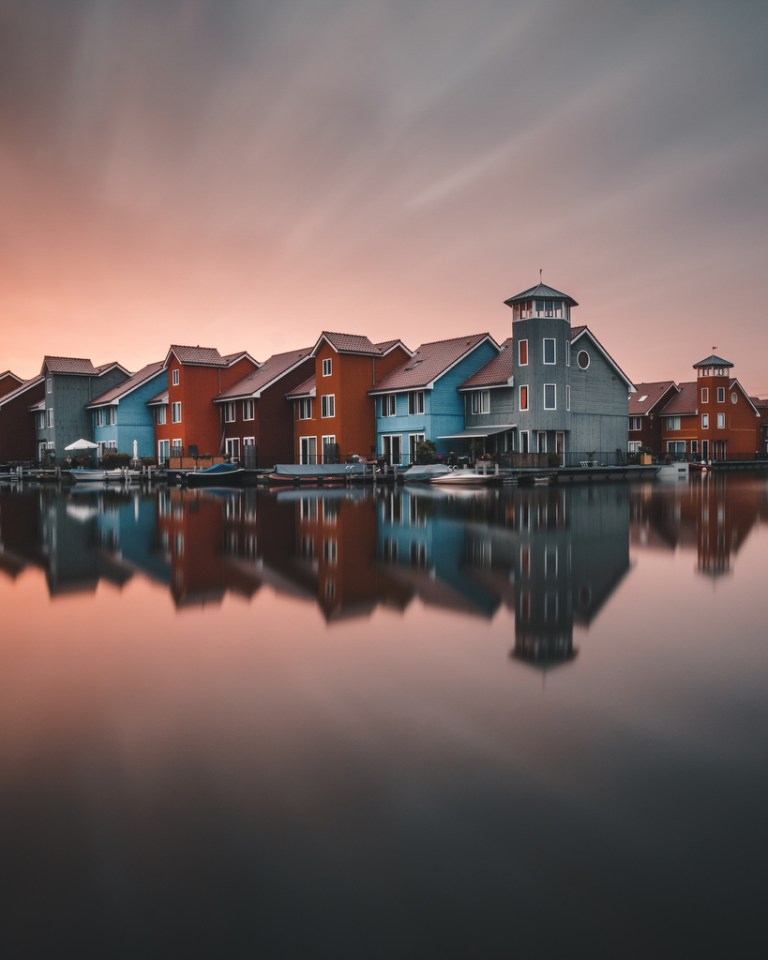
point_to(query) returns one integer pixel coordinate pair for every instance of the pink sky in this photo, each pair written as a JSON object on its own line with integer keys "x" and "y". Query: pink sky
{"x": 245, "y": 175}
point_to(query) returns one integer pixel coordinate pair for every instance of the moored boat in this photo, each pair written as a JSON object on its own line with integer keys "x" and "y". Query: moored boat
{"x": 467, "y": 478}
{"x": 217, "y": 475}
{"x": 84, "y": 475}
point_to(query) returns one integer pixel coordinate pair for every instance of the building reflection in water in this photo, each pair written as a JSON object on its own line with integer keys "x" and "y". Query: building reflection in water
{"x": 551, "y": 555}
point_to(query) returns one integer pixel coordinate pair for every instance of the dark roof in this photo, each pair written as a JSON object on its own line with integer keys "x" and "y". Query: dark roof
{"x": 712, "y": 361}
{"x": 22, "y": 388}
{"x": 496, "y": 373}
{"x": 69, "y": 365}
{"x": 542, "y": 291}
{"x": 348, "y": 343}
{"x": 305, "y": 389}
{"x": 10, "y": 373}
{"x": 138, "y": 378}
{"x": 430, "y": 361}
{"x": 684, "y": 403}
{"x": 271, "y": 370}
{"x": 387, "y": 345}
{"x": 201, "y": 356}
{"x": 648, "y": 395}
{"x": 159, "y": 399}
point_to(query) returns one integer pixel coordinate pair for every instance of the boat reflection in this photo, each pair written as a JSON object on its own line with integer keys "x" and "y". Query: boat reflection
{"x": 550, "y": 555}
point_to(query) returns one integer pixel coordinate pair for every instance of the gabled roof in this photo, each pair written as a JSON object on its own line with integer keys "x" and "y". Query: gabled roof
{"x": 105, "y": 367}
{"x": 712, "y": 361}
{"x": 116, "y": 394}
{"x": 649, "y": 395}
{"x": 277, "y": 366}
{"x": 429, "y": 362}
{"x": 356, "y": 344}
{"x": 12, "y": 375}
{"x": 684, "y": 404}
{"x": 306, "y": 389}
{"x": 586, "y": 332}
{"x": 160, "y": 399}
{"x": 18, "y": 391}
{"x": 496, "y": 373}
{"x": 735, "y": 383}
{"x": 204, "y": 356}
{"x": 542, "y": 291}
{"x": 387, "y": 346}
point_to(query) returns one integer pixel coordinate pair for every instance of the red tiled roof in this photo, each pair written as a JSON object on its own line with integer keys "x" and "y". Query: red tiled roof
{"x": 430, "y": 361}
{"x": 348, "y": 343}
{"x": 141, "y": 376}
{"x": 272, "y": 369}
{"x": 69, "y": 365}
{"x": 201, "y": 356}
{"x": 684, "y": 403}
{"x": 159, "y": 399}
{"x": 304, "y": 389}
{"x": 647, "y": 396}
{"x": 386, "y": 345}
{"x": 496, "y": 373}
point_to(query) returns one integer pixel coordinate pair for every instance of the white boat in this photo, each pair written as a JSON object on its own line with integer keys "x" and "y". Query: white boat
{"x": 84, "y": 475}
{"x": 467, "y": 478}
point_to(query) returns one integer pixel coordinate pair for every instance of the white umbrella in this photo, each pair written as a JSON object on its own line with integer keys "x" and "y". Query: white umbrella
{"x": 82, "y": 444}
{"x": 135, "y": 449}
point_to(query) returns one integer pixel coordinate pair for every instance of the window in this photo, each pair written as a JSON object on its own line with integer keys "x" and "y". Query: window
{"x": 176, "y": 412}
{"x": 176, "y": 447}
{"x": 111, "y": 444}
{"x": 705, "y": 394}
{"x": 721, "y": 394}
{"x": 232, "y": 447}
{"x": 550, "y": 356}
{"x": 414, "y": 439}
{"x": 49, "y": 417}
{"x": 635, "y": 423}
{"x": 330, "y": 551}
{"x": 704, "y": 421}
{"x": 248, "y": 409}
{"x": 582, "y": 358}
{"x": 523, "y": 397}
{"x": 416, "y": 402}
{"x": 694, "y": 446}
{"x": 550, "y": 396}
{"x": 329, "y": 449}
{"x": 161, "y": 414}
{"x": 175, "y": 377}
{"x": 249, "y": 441}
{"x": 229, "y": 412}
{"x": 567, "y": 352}
{"x": 567, "y": 396}
{"x": 721, "y": 421}
{"x": 327, "y": 367}
{"x": 98, "y": 419}
{"x": 675, "y": 446}
{"x": 305, "y": 409}
{"x": 388, "y": 405}
{"x": 111, "y": 416}
{"x": 673, "y": 423}
{"x": 49, "y": 384}
{"x": 634, "y": 446}
{"x": 522, "y": 353}
{"x": 41, "y": 420}
{"x": 734, "y": 397}
{"x": 328, "y": 405}
{"x": 481, "y": 401}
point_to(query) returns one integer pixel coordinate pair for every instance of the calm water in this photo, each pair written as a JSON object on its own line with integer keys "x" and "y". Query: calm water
{"x": 529, "y": 723}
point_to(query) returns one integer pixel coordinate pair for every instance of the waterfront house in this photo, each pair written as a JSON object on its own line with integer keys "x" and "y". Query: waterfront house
{"x": 333, "y": 415}
{"x": 420, "y": 400}
{"x": 713, "y": 417}
{"x": 121, "y": 418}
{"x": 17, "y": 424}
{"x": 646, "y": 405}
{"x": 62, "y": 417}
{"x": 489, "y": 406}
{"x": 257, "y": 416}
{"x": 572, "y": 398}
{"x": 187, "y": 423}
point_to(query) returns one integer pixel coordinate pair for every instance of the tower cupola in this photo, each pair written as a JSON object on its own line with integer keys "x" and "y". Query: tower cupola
{"x": 541, "y": 301}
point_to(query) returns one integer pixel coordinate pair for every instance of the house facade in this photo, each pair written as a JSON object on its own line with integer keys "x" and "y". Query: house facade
{"x": 420, "y": 399}
{"x": 122, "y": 421}
{"x": 489, "y": 407}
{"x": 571, "y": 397}
{"x": 257, "y": 415}
{"x": 334, "y": 417}
{"x": 712, "y": 417}
{"x": 187, "y": 422}
{"x": 62, "y": 415}
{"x": 646, "y": 405}
{"x": 17, "y": 423}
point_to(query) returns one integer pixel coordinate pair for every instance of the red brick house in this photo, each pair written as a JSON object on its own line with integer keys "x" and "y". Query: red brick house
{"x": 333, "y": 415}
{"x": 187, "y": 421}
{"x": 17, "y": 424}
{"x": 257, "y": 416}
{"x": 713, "y": 417}
{"x": 645, "y": 408}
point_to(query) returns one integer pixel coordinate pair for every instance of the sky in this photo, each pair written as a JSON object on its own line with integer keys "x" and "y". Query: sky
{"x": 244, "y": 174}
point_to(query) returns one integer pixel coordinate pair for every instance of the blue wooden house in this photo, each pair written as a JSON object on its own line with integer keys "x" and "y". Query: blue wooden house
{"x": 121, "y": 417}
{"x": 420, "y": 399}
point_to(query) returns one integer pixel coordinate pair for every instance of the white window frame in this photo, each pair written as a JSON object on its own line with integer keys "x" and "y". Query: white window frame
{"x": 635, "y": 423}
{"x": 721, "y": 394}
{"x": 522, "y": 344}
{"x": 544, "y": 344}
{"x": 249, "y": 409}
{"x": 673, "y": 423}
{"x": 328, "y": 406}
{"x": 413, "y": 439}
{"x": 721, "y": 421}
{"x": 49, "y": 421}
{"x": 308, "y": 450}
{"x": 49, "y": 384}
{"x": 232, "y": 448}
{"x": 305, "y": 408}
{"x": 567, "y": 396}
{"x": 175, "y": 377}
{"x": 705, "y": 394}
{"x": 480, "y": 401}
{"x": 325, "y": 441}
{"x": 229, "y": 412}
{"x": 553, "y": 387}
{"x": 176, "y": 411}
{"x": 705, "y": 421}
{"x": 416, "y": 403}
{"x": 389, "y": 405}
{"x": 327, "y": 366}
{"x": 567, "y": 352}
{"x": 523, "y": 388}
{"x": 162, "y": 415}
{"x": 163, "y": 450}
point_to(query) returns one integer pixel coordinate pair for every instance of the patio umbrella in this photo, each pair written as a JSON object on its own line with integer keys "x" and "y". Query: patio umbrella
{"x": 81, "y": 445}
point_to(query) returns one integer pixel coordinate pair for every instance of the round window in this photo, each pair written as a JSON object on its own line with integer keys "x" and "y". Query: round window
{"x": 734, "y": 398}
{"x": 582, "y": 359}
